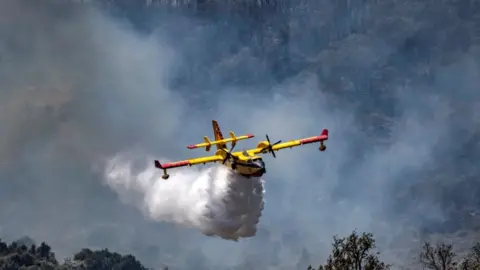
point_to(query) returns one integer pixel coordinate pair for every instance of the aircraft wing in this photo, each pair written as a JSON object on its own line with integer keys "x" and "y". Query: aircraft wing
{"x": 188, "y": 162}
{"x": 262, "y": 147}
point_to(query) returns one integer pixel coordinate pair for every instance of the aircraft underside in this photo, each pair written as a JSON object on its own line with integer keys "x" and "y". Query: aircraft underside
{"x": 257, "y": 173}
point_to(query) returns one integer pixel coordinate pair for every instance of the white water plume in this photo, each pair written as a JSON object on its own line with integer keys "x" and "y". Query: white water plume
{"x": 214, "y": 200}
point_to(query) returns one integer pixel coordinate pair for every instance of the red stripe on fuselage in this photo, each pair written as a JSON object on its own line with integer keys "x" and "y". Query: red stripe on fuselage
{"x": 193, "y": 146}
{"x": 176, "y": 164}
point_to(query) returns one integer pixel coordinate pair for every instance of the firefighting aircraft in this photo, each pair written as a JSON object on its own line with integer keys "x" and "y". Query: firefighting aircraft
{"x": 247, "y": 162}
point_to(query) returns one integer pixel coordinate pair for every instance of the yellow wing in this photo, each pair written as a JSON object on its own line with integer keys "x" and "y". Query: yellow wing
{"x": 263, "y": 147}
{"x": 188, "y": 162}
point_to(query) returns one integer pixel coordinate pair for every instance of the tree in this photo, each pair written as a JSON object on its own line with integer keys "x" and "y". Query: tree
{"x": 354, "y": 252}
{"x": 472, "y": 260}
{"x": 104, "y": 259}
{"x": 20, "y": 256}
{"x": 440, "y": 257}
{"x": 17, "y": 255}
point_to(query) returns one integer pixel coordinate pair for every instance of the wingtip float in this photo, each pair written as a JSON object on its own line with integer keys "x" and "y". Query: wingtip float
{"x": 247, "y": 163}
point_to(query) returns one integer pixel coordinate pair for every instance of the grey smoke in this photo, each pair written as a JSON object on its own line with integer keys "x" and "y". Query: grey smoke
{"x": 78, "y": 88}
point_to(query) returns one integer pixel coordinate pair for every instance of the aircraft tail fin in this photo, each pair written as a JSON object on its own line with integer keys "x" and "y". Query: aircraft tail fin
{"x": 217, "y": 133}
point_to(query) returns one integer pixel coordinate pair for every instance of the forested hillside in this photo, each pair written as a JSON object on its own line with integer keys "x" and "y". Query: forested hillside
{"x": 395, "y": 81}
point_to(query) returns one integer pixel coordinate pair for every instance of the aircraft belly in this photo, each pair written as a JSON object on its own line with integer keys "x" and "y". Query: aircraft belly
{"x": 243, "y": 169}
{"x": 248, "y": 171}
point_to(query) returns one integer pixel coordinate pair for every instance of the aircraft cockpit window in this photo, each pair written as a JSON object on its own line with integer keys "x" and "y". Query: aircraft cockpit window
{"x": 245, "y": 153}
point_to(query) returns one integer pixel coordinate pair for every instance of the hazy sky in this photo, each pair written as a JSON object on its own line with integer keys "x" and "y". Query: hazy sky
{"x": 78, "y": 87}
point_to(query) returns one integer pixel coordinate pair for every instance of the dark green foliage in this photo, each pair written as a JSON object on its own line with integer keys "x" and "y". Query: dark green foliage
{"x": 354, "y": 252}
{"x": 104, "y": 259}
{"x": 16, "y": 256}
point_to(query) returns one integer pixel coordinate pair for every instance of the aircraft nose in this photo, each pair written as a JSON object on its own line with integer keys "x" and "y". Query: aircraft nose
{"x": 260, "y": 164}
{"x": 261, "y": 167}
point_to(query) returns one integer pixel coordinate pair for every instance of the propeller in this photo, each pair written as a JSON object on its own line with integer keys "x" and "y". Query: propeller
{"x": 228, "y": 155}
{"x": 270, "y": 146}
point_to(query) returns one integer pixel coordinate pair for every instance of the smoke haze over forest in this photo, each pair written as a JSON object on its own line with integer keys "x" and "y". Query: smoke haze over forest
{"x": 395, "y": 84}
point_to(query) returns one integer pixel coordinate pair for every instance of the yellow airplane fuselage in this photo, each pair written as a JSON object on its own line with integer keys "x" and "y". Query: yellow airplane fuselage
{"x": 244, "y": 164}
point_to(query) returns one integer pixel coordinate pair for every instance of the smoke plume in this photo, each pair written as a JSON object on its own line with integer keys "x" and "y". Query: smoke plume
{"x": 394, "y": 83}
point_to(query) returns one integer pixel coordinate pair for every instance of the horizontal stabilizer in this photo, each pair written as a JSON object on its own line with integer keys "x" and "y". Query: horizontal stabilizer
{"x": 207, "y": 144}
